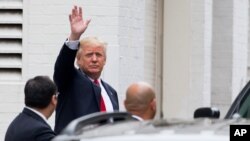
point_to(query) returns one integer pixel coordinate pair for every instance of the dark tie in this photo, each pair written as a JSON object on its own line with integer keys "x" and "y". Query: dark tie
{"x": 102, "y": 104}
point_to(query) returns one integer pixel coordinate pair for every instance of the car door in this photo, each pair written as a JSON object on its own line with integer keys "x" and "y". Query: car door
{"x": 241, "y": 105}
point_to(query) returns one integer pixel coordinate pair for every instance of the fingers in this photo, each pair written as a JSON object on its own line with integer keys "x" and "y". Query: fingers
{"x": 76, "y": 19}
{"x": 74, "y": 12}
{"x": 80, "y": 11}
{"x": 88, "y": 21}
{"x": 70, "y": 18}
{"x": 77, "y": 13}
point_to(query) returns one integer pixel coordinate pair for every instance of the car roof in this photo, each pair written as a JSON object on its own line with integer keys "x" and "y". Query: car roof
{"x": 174, "y": 129}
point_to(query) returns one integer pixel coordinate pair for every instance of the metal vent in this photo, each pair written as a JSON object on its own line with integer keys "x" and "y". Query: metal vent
{"x": 11, "y": 16}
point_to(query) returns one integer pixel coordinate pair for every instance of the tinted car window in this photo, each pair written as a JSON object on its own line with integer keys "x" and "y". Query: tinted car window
{"x": 241, "y": 105}
{"x": 244, "y": 109}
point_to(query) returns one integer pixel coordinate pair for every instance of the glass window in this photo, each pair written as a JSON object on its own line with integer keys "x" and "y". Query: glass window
{"x": 244, "y": 110}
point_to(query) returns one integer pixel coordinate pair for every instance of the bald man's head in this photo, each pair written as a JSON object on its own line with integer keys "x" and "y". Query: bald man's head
{"x": 140, "y": 100}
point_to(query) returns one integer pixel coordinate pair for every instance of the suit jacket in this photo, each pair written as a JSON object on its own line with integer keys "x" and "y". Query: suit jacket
{"x": 78, "y": 95}
{"x": 28, "y": 126}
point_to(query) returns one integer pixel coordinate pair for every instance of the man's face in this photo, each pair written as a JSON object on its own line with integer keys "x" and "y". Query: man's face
{"x": 92, "y": 59}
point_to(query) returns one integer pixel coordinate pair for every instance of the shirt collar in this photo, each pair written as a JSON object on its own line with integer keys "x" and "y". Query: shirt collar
{"x": 99, "y": 80}
{"x": 38, "y": 113}
{"x": 137, "y": 117}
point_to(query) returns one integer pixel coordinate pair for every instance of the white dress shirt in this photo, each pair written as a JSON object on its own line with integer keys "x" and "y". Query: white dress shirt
{"x": 39, "y": 114}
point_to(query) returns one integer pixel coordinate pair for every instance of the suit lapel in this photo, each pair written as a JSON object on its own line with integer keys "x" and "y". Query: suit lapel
{"x": 110, "y": 94}
{"x": 106, "y": 88}
{"x": 97, "y": 91}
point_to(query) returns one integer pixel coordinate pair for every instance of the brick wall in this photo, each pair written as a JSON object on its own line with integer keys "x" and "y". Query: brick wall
{"x": 131, "y": 42}
{"x": 240, "y": 45}
{"x": 45, "y": 28}
{"x": 129, "y": 28}
{"x": 200, "y": 69}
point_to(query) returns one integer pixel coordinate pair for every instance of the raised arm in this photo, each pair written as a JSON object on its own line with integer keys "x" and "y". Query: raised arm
{"x": 64, "y": 66}
{"x": 77, "y": 24}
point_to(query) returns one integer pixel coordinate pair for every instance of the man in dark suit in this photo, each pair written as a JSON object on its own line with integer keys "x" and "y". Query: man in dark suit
{"x": 81, "y": 89}
{"x": 31, "y": 124}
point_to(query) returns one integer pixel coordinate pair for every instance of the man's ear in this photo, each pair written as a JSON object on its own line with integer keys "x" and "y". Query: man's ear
{"x": 54, "y": 100}
{"x": 153, "y": 104}
{"x": 78, "y": 57}
{"x": 125, "y": 104}
{"x": 105, "y": 59}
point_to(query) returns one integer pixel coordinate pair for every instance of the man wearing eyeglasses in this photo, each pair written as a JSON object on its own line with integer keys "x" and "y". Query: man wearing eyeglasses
{"x": 40, "y": 102}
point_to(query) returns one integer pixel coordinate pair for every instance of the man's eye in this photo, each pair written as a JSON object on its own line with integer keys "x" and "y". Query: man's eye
{"x": 98, "y": 55}
{"x": 89, "y": 55}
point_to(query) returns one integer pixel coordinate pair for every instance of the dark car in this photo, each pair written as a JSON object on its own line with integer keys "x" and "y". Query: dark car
{"x": 239, "y": 109}
{"x": 241, "y": 105}
{"x": 122, "y": 126}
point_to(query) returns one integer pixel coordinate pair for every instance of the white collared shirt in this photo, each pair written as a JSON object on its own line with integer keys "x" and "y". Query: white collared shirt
{"x": 38, "y": 113}
{"x": 137, "y": 117}
{"x": 73, "y": 45}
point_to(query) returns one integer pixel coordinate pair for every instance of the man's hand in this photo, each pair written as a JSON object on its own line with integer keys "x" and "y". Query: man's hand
{"x": 77, "y": 24}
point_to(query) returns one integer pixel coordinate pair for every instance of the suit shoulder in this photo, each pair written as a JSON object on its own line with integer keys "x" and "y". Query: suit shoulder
{"x": 109, "y": 86}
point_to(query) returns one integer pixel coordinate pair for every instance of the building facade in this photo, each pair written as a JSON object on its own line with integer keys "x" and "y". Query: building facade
{"x": 195, "y": 53}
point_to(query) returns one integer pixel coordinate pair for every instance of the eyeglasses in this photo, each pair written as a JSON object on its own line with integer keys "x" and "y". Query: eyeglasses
{"x": 56, "y": 94}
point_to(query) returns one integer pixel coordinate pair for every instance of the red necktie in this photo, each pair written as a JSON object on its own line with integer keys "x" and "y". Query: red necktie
{"x": 102, "y": 104}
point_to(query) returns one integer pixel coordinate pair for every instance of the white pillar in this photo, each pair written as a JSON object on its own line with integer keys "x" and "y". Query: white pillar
{"x": 229, "y": 51}
{"x": 186, "y": 67}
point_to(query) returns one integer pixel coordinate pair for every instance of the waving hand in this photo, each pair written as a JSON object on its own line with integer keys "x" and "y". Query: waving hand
{"x": 77, "y": 23}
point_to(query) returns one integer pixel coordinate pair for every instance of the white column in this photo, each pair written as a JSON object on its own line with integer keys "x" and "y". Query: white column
{"x": 187, "y": 56}
{"x": 229, "y": 52}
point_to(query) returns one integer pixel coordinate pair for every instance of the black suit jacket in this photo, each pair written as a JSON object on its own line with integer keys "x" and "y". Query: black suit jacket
{"x": 28, "y": 126}
{"x": 78, "y": 96}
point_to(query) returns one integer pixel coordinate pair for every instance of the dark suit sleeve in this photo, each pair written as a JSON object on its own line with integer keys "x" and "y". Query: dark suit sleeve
{"x": 44, "y": 134}
{"x": 64, "y": 67}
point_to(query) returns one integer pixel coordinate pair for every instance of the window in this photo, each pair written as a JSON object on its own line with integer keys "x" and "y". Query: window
{"x": 244, "y": 109}
{"x": 11, "y": 13}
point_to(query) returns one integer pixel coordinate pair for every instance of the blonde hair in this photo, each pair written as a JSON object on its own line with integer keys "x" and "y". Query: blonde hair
{"x": 93, "y": 41}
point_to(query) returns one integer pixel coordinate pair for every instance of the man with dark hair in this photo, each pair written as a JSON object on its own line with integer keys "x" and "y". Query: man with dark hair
{"x": 40, "y": 101}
